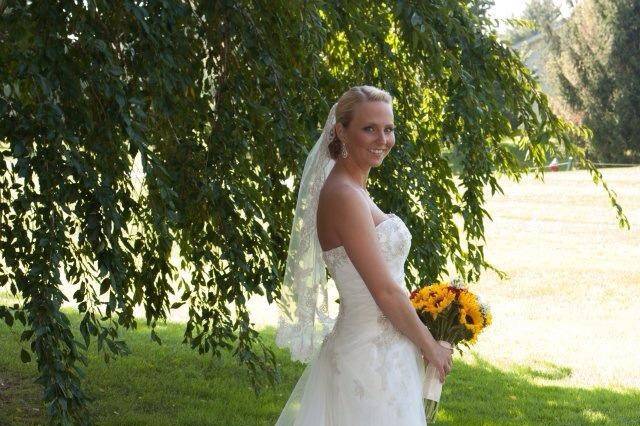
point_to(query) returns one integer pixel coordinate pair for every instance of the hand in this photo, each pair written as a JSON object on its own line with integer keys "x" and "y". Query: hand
{"x": 440, "y": 357}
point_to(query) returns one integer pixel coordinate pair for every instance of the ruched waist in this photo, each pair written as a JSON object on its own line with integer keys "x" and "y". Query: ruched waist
{"x": 357, "y": 305}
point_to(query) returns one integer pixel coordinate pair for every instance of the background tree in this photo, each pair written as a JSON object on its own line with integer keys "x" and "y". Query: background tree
{"x": 538, "y": 14}
{"x": 596, "y": 64}
{"x": 220, "y": 102}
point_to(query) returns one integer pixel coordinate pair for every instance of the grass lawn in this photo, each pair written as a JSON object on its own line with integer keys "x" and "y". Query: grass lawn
{"x": 563, "y": 349}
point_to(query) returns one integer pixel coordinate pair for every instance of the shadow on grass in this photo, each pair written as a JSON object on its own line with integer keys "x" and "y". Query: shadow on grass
{"x": 174, "y": 385}
{"x": 480, "y": 393}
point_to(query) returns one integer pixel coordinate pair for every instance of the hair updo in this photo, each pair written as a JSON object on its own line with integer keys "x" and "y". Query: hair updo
{"x": 346, "y": 109}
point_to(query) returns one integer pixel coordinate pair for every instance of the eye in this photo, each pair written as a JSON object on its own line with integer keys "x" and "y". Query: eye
{"x": 388, "y": 129}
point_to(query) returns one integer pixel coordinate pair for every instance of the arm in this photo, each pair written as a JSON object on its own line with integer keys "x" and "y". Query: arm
{"x": 359, "y": 238}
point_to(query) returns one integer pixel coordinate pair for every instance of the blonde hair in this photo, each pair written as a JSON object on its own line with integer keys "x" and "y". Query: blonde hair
{"x": 345, "y": 109}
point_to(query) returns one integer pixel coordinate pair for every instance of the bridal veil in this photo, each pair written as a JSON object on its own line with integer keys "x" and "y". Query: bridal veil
{"x": 303, "y": 307}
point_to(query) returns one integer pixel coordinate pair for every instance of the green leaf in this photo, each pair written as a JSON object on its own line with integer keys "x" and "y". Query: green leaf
{"x": 26, "y": 335}
{"x": 176, "y": 305}
{"x": 155, "y": 337}
{"x": 8, "y": 318}
{"x": 104, "y": 286}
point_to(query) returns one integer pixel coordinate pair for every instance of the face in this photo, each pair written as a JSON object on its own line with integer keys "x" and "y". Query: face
{"x": 370, "y": 135}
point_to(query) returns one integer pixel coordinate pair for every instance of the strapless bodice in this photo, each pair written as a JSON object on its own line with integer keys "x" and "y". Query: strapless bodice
{"x": 395, "y": 242}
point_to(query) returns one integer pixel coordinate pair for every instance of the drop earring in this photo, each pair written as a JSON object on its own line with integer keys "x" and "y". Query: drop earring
{"x": 343, "y": 150}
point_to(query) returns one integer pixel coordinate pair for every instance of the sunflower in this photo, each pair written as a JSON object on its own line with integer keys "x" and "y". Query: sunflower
{"x": 437, "y": 299}
{"x": 471, "y": 318}
{"x": 442, "y": 300}
{"x": 433, "y": 299}
{"x": 468, "y": 300}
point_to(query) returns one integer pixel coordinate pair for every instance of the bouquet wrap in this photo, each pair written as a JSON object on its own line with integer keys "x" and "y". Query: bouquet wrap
{"x": 432, "y": 387}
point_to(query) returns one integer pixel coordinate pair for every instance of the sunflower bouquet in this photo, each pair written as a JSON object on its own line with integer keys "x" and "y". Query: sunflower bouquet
{"x": 454, "y": 316}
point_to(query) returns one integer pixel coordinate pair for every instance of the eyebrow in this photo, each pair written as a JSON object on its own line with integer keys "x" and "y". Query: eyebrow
{"x": 373, "y": 124}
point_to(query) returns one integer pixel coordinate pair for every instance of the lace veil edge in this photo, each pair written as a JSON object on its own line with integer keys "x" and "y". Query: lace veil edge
{"x": 303, "y": 307}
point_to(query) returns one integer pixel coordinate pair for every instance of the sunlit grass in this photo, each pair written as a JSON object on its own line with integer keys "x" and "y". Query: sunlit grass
{"x": 572, "y": 296}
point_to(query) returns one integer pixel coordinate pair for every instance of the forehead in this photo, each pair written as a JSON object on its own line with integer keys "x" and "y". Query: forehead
{"x": 377, "y": 112}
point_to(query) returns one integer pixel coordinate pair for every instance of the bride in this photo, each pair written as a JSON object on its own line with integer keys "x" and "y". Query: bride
{"x": 365, "y": 365}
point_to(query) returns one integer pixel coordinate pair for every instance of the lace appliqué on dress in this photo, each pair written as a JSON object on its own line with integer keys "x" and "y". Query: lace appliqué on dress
{"x": 329, "y": 346}
{"x": 391, "y": 245}
{"x": 397, "y": 243}
{"x": 359, "y": 388}
{"x": 389, "y": 368}
{"x": 388, "y": 335}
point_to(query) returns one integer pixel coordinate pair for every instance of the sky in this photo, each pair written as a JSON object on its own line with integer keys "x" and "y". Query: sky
{"x": 514, "y": 8}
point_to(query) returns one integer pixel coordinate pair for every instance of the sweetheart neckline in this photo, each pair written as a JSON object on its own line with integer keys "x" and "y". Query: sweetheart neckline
{"x": 389, "y": 217}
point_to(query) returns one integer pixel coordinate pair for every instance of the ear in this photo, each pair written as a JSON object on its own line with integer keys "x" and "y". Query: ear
{"x": 340, "y": 131}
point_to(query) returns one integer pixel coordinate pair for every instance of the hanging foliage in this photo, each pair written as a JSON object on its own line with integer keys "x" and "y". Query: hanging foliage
{"x": 219, "y": 102}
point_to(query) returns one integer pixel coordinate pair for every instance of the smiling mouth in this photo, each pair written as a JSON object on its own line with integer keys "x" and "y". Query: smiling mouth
{"x": 377, "y": 152}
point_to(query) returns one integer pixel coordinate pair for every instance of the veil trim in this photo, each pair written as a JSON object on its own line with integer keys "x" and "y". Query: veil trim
{"x": 303, "y": 307}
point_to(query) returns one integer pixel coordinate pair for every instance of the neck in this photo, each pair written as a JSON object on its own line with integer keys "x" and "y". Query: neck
{"x": 355, "y": 172}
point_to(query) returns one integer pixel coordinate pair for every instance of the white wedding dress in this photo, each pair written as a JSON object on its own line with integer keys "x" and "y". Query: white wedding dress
{"x": 366, "y": 372}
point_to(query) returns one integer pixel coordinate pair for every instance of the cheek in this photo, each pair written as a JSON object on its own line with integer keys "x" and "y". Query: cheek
{"x": 365, "y": 139}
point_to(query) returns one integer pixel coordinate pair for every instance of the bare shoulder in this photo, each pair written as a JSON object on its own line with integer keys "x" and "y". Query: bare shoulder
{"x": 342, "y": 201}
{"x": 336, "y": 191}
{"x": 347, "y": 212}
